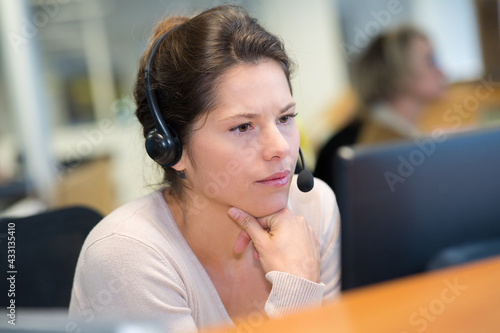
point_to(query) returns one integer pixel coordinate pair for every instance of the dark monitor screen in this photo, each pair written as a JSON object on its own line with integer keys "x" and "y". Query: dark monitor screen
{"x": 401, "y": 204}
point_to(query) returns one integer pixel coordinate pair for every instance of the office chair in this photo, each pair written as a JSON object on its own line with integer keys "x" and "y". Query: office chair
{"x": 47, "y": 247}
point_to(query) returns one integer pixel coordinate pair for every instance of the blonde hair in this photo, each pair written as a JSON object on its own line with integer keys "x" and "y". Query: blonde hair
{"x": 382, "y": 71}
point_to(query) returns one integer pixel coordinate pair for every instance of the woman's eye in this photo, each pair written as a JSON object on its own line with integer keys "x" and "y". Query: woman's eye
{"x": 286, "y": 118}
{"x": 241, "y": 128}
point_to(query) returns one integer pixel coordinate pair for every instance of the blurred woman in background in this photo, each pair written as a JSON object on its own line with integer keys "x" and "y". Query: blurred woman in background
{"x": 394, "y": 79}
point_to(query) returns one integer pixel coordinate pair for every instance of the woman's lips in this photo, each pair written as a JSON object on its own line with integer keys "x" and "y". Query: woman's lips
{"x": 277, "y": 179}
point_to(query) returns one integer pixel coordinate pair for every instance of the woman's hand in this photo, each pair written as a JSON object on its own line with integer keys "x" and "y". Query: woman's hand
{"x": 282, "y": 241}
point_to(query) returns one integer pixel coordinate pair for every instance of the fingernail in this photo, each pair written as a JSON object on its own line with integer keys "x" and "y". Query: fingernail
{"x": 234, "y": 212}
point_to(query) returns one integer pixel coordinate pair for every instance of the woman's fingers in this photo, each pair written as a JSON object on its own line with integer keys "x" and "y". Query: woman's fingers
{"x": 242, "y": 242}
{"x": 248, "y": 223}
{"x": 251, "y": 229}
{"x": 255, "y": 253}
{"x": 282, "y": 241}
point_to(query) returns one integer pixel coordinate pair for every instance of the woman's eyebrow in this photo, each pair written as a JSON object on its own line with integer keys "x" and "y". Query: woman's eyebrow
{"x": 288, "y": 107}
{"x": 241, "y": 115}
{"x": 255, "y": 115}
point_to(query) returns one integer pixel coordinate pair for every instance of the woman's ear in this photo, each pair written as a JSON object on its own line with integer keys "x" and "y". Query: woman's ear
{"x": 181, "y": 165}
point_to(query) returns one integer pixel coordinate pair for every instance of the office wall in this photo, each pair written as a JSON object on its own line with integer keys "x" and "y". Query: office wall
{"x": 452, "y": 25}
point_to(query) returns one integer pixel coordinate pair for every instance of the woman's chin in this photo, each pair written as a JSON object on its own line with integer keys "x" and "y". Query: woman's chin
{"x": 268, "y": 207}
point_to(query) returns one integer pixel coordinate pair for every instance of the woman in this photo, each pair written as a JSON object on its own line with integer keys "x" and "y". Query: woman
{"x": 230, "y": 235}
{"x": 394, "y": 78}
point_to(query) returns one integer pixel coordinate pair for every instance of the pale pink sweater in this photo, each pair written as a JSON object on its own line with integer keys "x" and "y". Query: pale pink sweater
{"x": 136, "y": 264}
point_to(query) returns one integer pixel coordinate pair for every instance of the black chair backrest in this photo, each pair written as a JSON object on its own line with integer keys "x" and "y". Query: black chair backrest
{"x": 47, "y": 247}
{"x": 401, "y": 204}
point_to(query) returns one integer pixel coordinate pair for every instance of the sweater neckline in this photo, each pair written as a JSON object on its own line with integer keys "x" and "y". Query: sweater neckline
{"x": 194, "y": 260}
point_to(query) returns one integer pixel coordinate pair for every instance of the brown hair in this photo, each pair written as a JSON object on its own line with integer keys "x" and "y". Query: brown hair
{"x": 381, "y": 72}
{"x": 190, "y": 62}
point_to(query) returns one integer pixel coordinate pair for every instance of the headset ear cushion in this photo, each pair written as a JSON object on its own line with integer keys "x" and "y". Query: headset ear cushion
{"x": 155, "y": 144}
{"x": 162, "y": 150}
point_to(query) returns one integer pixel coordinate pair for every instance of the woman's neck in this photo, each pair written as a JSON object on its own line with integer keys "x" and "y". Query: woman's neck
{"x": 407, "y": 107}
{"x": 210, "y": 232}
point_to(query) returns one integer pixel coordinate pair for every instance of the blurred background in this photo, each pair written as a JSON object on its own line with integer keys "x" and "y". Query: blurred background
{"x": 68, "y": 134}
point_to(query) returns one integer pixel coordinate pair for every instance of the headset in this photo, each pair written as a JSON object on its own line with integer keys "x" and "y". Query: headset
{"x": 162, "y": 142}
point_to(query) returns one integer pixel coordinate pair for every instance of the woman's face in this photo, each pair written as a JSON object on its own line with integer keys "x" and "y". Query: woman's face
{"x": 243, "y": 153}
{"x": 426, "y": 79}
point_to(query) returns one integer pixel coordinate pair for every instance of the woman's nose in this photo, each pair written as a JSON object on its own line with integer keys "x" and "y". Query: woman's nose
{"x": 274, "y": 144}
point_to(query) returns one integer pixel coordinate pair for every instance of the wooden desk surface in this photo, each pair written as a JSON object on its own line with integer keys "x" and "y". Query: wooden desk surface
{"x": 459, "y": 299}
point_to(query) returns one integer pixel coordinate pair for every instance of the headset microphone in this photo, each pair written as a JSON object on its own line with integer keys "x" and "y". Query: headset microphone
{"x": 305, "y": 180}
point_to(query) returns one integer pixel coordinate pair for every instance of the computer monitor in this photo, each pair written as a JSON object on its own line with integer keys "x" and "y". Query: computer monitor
{"x": 403, "y": 203}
